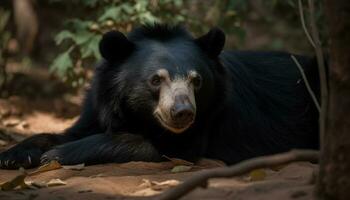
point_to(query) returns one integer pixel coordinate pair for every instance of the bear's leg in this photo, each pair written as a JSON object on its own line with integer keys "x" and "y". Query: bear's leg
{"x": 27, "y": 153}
{"x": 103, "y": 148}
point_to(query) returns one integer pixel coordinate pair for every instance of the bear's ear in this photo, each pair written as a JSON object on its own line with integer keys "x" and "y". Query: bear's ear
{"x": 115, "y": 46}
{"x": 213, "y": 42}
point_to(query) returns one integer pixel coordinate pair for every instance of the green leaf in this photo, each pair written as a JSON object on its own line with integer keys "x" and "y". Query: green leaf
{"x": 90, "y": 3}
{"x": 63, "y": 35}
{"x": 90, "y": 49}
{"x": 82, "y": 37}
{"x": 178, "y": 3}
{"x": 78, "y": 24}
{"x": 62, "y": 63}
{"x": 147, "y": 17}
{"x": 141, "y": 5}
{"x": 127, "y": 8}
{"x": 110, "y": 13}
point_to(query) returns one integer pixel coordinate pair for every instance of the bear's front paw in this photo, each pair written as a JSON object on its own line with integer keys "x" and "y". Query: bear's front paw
{"x": 17, "y": 157}
{"x": 53, "y": 154}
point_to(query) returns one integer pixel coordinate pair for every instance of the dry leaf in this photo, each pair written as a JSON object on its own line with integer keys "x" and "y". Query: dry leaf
{"x": 52, "y": 165}
{"x": 11, "y": 122}
{"x": 257, "y": 175}
{"x": 164, "y": 184}
{"x": 23, "y": 125}
{"x": 30, "y": 185}
{"x": 145, "y": 192}
{"x": 56, "y": 182}
{"x": 74, "y": 167}
{"x": 145, "y": 183}
{"x": 12, "y": 184}
{"x": 181, "y": 168}
{"x": 154, "y": 187}
{"x": 38, "y": 184}
{"x": 177, "y": 161}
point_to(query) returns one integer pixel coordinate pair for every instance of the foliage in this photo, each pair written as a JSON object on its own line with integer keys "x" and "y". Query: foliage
{"x": 81, "y": 36}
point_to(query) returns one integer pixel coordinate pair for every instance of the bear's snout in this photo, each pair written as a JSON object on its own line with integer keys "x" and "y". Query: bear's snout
{"x": 182, "y": 112}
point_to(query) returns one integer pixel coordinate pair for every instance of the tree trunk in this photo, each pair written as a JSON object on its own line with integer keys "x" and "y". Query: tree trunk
{"x": 334, "y": 181}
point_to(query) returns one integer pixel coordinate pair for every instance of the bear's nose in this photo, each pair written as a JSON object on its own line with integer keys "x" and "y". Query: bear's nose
{"x": 182, "y": 112}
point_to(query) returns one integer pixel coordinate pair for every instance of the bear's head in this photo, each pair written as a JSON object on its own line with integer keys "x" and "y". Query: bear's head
{"x": 158, "y": 75}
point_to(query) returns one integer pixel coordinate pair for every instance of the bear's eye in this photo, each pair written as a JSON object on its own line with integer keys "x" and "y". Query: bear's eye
{"x": 197, "y": 81}
{"x": 156, "y": 80}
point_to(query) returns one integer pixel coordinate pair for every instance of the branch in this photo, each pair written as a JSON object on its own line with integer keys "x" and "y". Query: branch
{"x": 312, "y": 94}
{"x": 201, "y": 178}
{"x": 321, "y": 69}
{"x": 302, "y": 19}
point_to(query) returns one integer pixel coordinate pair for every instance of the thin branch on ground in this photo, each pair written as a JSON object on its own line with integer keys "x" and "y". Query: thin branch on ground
{"x": 321, "y": 69}
{"x": 307, "y": 84}
{"x": 201, "y": 178}
{"x": 302, "y": 19}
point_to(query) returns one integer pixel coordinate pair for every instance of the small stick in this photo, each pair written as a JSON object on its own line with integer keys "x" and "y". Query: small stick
{"x": 302, "y": 19}
{"x": 312, "y": 94}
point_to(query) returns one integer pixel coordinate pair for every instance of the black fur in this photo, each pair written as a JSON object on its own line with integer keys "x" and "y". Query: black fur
{"x": 250, "y": 104}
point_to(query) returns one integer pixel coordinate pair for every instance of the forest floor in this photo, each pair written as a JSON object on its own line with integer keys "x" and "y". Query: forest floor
{"x": 38, "y": 103}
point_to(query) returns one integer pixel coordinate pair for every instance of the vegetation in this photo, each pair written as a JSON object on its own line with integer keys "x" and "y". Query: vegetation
{"x": 81, "y": 36}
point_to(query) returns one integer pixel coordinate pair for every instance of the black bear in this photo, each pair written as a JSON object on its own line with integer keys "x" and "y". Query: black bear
{"x": 160, "y": 91}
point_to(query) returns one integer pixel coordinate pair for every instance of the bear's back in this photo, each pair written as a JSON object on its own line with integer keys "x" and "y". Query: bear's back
{"x": 267, "y": 107}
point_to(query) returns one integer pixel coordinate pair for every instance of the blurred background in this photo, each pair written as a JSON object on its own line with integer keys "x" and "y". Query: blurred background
{"x": 48, "y": 47}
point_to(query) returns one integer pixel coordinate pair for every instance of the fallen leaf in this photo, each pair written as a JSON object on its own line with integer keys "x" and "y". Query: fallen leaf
{"x": 11, "y": 122}
{"x": 23, "y": 125}
{"x": 181, "y": 168}
{"x": 52, "y": 165}
{"x": 164, "y": 184}
{"x": 74, "y": 167}
{"x": 15, "y": 182}
{"x": 154, "y": 187}
{"x": 145, "y": 183}
{"x": 56, "y": 182}
{"x": 177, "y": 161}
{"x": 145, "y": 192}
{"x": 257, "y": 175}
{"x": 36, "y": 184}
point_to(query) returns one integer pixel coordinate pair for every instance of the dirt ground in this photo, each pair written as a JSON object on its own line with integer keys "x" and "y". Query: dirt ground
{"x": 55, "y": 109}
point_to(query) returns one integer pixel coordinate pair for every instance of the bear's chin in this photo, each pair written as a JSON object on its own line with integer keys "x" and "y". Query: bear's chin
{"x": 172, "y": 128}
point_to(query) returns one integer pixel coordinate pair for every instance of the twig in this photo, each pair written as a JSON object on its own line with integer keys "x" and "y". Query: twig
{"x": 241, "y": 168}
{"x": 302, "y": 19}
{"x": 321, "y": 69}
{"x": 307, "y": 84}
